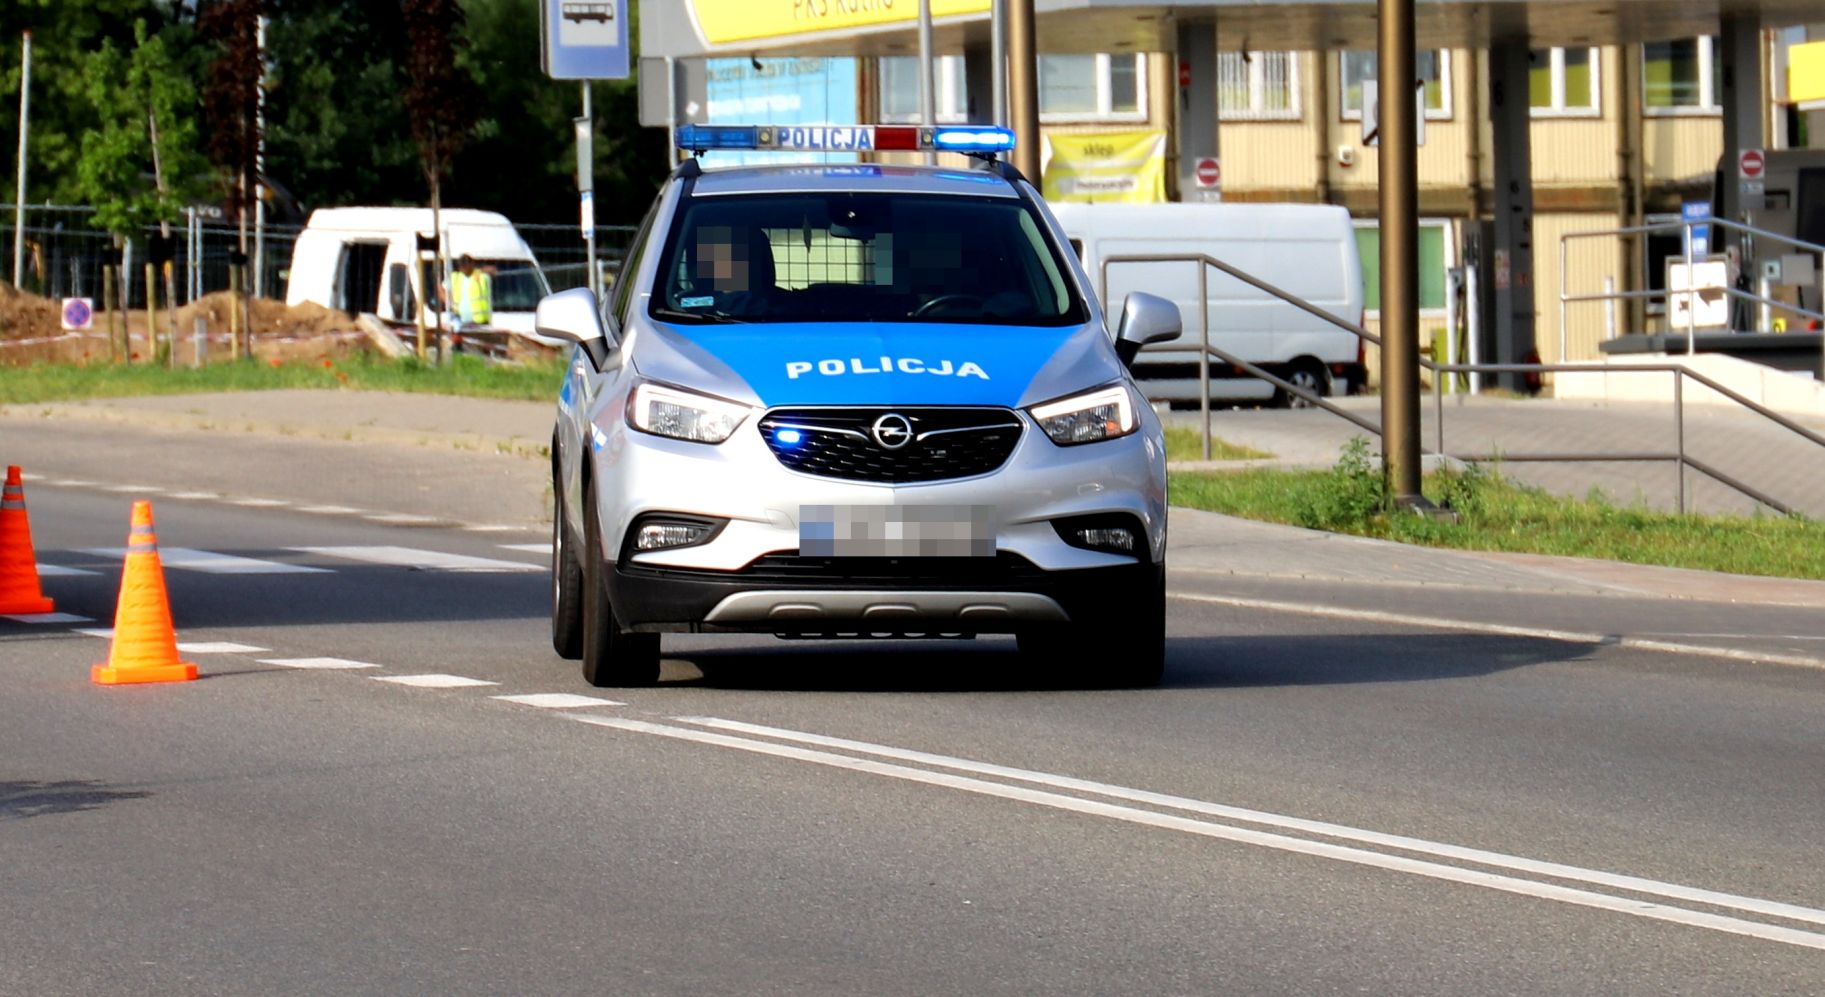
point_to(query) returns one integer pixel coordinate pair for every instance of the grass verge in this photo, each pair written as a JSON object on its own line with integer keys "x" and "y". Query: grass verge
{"x": 1184, "y": 443}
{"x": 1500, "y": 515}
{"x": 467, "y": 376}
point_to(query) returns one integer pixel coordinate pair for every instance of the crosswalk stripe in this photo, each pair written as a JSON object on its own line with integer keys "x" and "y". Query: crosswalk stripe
{"x": 323, "y": 663}
{"x": 59, "y": 571}
{"x": 433, "y": 681}
{"x": 559, "y": 700}
{"x": 412, "y": 557}
{"x": 216, "y": 564}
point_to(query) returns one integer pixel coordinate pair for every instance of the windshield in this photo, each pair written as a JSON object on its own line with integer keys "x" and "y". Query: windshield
{"x": 517, "y": 287}
{"x": 849, "y": 257}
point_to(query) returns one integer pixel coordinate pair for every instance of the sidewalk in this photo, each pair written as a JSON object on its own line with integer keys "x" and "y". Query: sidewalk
{"x": 1202, "y": 543}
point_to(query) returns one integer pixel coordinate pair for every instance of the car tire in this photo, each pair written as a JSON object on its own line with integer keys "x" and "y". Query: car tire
{"x": 1308, "y": 374}
{"x": 612, "y": 657}
{"x": 566, "y": 584}
{"x": 1126, "y": 650}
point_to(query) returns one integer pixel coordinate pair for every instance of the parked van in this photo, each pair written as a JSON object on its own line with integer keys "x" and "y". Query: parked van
{"x": 1308, "y": 250}
{"x": 360, "y": 260}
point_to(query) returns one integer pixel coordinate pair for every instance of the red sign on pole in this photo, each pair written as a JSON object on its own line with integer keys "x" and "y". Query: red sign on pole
{"x": 1750, "y": 164}
{"x": 1209, "y": 172}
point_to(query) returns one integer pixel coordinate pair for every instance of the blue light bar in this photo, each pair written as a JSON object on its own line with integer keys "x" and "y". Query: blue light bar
{"x": 696, "y": 137}
{"x": 975, "y": 139}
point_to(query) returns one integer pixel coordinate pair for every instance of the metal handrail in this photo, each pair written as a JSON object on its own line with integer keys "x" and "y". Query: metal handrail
{"x": 1679, "y": 457}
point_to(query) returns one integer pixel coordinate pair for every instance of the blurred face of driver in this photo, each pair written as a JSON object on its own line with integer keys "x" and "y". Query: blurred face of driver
{"x": 722, "y": 260}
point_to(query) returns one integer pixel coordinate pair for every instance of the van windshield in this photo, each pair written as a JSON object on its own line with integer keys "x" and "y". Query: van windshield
{"x": 517, "y": 286}
{"x": 862, "y": 257}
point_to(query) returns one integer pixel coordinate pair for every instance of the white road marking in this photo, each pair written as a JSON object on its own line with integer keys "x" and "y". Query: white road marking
{"x": 497, "y": 528}
{"x": 71, "y": 483}
{"x": 412, "y": 557}
{"x": 195, "y": 495}
{"x": 433, "y": 681}
{"x": 258, "y": 503}
{"x": 105, "y": 633}
{"x": 148, "y": 489}
{"x": 544, "y": 548}
{"x": 1656, "y": 633}
{"x": 58, "y": 571}
{"x": 1510, "y": 863}
{"x": 1542, "y": 633}
{"x": 558, "y": 700}
{"x": 218, "y": 647}
{"x": 1319, "y": 849}
{"x": 46, "y": 618}
{"x": 402, "y": 519}
{"x": 210, "y": 562}
{"x": 322, "y": 663}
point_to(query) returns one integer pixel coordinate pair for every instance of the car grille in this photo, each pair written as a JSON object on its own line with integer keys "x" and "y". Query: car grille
{"x": 943, "y": 442}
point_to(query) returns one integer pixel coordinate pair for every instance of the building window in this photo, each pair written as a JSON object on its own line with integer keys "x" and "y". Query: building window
{"x": 1433, "y": 259}
{"x": 1258, "y": 86}
{"x": 1562, "y": 82}
{"x": 900, "y": 89}
{"x": 1358, "y": 65}
{"x": 1092, "y": 87}
{"x": 1681, "y": 77}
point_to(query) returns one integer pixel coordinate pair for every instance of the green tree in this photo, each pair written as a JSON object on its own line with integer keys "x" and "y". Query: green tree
{"x": 139, "y": 163}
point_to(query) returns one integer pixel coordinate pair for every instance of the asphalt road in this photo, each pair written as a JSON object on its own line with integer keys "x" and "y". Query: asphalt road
{"x": 1310, "y": 804}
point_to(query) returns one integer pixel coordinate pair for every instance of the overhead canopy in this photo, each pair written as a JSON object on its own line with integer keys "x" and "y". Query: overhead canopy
{"x": 692, "y": 28}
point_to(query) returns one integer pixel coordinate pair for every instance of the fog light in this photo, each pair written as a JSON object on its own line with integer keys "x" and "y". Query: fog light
{"x": 660, "y": 536}
{"x": 1109, "y": 538}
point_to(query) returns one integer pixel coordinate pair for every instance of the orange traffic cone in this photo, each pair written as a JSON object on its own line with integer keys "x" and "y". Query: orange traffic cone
{"x": 145, "y": 646}
{"x": 19, "y": 591}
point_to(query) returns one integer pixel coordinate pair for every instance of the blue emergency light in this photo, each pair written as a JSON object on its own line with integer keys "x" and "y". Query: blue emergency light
{"x": 967, "y": 139}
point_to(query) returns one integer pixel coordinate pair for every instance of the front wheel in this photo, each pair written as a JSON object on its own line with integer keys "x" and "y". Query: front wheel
{"x": 612, "y": 657}
{"x": 566, "y": 584}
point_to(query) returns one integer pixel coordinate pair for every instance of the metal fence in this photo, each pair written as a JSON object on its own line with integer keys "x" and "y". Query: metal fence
{"x": 65, "y": 253}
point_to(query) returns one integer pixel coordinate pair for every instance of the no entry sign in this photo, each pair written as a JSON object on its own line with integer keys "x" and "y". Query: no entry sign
{"x": 1750, "y": 164}
{"x": 1209, "y": 172}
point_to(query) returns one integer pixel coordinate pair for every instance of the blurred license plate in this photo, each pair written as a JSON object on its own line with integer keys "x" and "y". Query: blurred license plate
{"x": 896, "y": 530}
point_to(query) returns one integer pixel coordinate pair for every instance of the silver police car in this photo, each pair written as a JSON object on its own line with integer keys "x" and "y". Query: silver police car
{"x": 850, "y": 401}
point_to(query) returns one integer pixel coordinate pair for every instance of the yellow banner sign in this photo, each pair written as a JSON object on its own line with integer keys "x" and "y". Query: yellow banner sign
{"x": 725, "y": 21}
{"x": 1806, "y": 72}
{"x": 1106, "y": 167}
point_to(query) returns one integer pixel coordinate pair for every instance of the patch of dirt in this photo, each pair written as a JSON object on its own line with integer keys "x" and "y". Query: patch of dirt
{"x": 31, "y": 330}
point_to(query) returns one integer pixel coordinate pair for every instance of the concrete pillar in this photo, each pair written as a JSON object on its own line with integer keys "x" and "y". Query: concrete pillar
{"x": 1197, "y": 109}
{"x": 1511, "y": 273}
{"x": 1739, "y": 93}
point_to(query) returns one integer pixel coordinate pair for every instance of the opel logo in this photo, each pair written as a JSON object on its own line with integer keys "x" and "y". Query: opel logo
{"x": 892, "y": 431}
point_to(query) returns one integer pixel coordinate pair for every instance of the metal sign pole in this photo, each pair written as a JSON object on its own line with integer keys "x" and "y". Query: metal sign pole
{"x": 586, "y": 189}
{"x": 25, "y": 117}
{"x": 1399, "y": 155}
{"x": 1023, "y": 87}
{"x": 928, "y": 101}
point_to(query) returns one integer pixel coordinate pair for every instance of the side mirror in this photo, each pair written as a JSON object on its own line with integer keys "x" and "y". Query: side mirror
{"x": 572, "y": 316}
{"x": 1146, "y": 318}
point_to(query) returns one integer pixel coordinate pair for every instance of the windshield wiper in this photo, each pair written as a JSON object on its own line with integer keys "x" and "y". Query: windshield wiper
{"x": 699, "y": 318}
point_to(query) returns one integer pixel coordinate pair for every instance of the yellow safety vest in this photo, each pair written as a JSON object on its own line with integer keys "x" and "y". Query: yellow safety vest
{"x": 474, "y": 296}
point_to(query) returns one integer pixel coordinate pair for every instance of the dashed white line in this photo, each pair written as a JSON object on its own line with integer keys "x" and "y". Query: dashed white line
{"x": 433, "y": 681}
{"x": 146, "y": 489}
{"x": 402, "y": 519}
{"x": 559, "y": 700}
{"x": 258, "y": 503}
{"x": 497, "y": 528}
{"x": 58, "y": 571}
{"x": 544, "y": 548}
{"x": 330, "y": 510}
{"x": 71, "y": 483}
{"x": 195, "y": 495}
{"x": 218, "y": 647}
{"x": 326, "y": 664}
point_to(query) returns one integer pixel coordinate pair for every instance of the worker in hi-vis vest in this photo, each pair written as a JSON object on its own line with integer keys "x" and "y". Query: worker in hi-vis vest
{"x": 472, "y": 293}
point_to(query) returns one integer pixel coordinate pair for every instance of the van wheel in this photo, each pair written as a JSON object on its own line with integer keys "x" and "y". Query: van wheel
{"x": 1309, "y": 375}
{"x": 566, "y": 585}
{"x": 612, "y": 657}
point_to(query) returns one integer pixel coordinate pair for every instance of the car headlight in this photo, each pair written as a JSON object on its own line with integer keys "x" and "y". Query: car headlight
{"x": 1103, "y": 414}
{"x": 683, "y": 415}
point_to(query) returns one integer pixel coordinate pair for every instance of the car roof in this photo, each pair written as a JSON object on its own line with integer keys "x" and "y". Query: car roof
{"x": 850, "y": 177}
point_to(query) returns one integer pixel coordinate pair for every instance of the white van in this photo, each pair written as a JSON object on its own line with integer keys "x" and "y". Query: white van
{"x": 1308, "y": 250}
{"x": 360, "y": 260}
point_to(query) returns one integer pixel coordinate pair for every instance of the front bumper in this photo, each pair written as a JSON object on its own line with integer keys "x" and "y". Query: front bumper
{"x": 885, "y": 596}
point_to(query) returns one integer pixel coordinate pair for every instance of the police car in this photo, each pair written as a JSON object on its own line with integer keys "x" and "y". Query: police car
{"x": 847, "y": 401}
